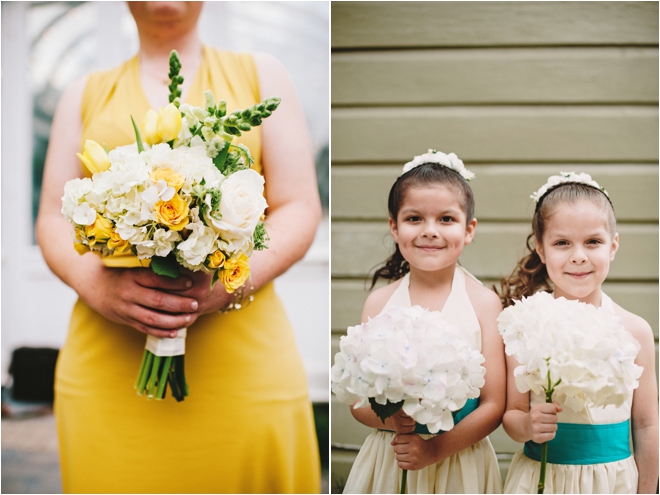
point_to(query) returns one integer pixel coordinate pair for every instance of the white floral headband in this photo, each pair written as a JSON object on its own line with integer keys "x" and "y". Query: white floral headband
{"x": 450, "y": 161}
{"x": 563, "y": 177}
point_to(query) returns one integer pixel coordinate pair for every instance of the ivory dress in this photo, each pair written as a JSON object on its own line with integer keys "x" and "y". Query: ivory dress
{"x": 472, "y": 470}
{"x": 247, "y": 425}
{"x": 590, "y": 454}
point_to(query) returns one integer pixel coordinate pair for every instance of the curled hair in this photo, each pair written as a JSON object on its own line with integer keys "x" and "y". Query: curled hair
{"x": 426, "y": 174}
{"x": 530, "y": 275}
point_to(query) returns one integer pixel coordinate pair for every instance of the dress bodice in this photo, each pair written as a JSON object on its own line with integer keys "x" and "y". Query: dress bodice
{"x": 457, "y": 310}
{"x": 112, "y": 96}
{"x": 592, "y": 414}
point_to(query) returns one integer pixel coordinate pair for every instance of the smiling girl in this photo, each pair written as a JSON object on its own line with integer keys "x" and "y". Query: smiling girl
{"x": 431, "y": 220}
{"x": 574, "y": 241}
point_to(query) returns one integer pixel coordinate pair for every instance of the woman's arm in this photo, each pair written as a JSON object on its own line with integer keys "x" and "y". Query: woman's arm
{"x": 130, "y": 296}
{"x": 415, "y": 453}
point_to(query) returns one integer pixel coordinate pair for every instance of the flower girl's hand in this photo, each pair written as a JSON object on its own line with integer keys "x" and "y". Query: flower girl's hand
{"x": 541, "y": 421}
{"x": 400, "y": 422}
{"x": 412, "y": 451}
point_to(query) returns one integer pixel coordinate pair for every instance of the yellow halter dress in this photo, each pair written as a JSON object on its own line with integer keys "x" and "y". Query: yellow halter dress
{"x": 247, "y": 425}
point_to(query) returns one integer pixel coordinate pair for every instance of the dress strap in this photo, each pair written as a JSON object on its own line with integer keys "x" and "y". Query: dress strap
{"x": 400, "y": 298}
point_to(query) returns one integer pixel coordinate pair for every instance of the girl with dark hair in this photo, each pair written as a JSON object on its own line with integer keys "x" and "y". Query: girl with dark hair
{"x": 573, "y": 242}
{"x": 431, "y": 220}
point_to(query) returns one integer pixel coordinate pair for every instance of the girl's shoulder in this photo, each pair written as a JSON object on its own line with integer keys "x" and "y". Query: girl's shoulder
{"x": 484, "y": 301}
{"x": 377, "y": 300}
{"x": 636, "y": 325}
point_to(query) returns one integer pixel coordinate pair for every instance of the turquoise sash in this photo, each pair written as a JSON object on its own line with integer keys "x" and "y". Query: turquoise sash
{"x": 469, "y": 406}
{"x": 585, "y": 444}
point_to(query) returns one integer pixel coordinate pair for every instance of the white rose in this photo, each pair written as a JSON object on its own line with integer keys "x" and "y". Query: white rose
{"x": 241, "y": 208}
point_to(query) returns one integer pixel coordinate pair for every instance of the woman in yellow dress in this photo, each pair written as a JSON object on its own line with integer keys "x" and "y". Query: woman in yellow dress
{"x": 247, "y": 425}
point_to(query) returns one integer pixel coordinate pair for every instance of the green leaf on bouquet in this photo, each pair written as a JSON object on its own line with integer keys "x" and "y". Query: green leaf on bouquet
{"x": 167, "y": 266}
{"x": 385, "y": 411}
{"x": 138, "y": 138}
{"x": 219, "y": 160}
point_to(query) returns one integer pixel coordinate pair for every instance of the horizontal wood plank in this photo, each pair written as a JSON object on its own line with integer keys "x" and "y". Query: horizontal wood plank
{"x": 489, "y": 76}
{"x": 360, "y": 246}
{"x": 430, "y": 24}
{"x": 348, "y": 297}
{"x": 501, "y": 191}
{"x": 497, "y": 134}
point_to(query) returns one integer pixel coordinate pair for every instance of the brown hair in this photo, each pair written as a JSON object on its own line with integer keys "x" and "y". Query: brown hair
{"x": 428, "y": 173}
{"x": 530, "y": 275}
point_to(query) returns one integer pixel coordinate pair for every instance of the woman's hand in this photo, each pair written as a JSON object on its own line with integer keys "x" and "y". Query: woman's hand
{"x": 541, "y": 421}
{"x": 154, "y": 304}
{"x": 209, "y": 301}
{"x": 137, "y": 297}
{"x": 413, "y": 452}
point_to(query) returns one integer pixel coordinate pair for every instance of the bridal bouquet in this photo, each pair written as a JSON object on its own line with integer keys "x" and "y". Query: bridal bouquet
{"x": 408, "y": 358}
{"x": 570, "y": 351}
{"x": 188, "y": 198}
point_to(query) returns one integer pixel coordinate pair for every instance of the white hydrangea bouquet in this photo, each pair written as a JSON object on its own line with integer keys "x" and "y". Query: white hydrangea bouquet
{"x": 187, "y": 198}
{"x": 569, "y": 351}
{"x": 408, "y": 358}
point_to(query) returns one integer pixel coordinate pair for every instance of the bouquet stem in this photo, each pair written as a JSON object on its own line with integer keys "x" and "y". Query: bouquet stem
{"x": 544, "y": 463}
{"x": 157, "y": 372}
{"x": 404, "y": 478}
{"x": 544, "y": 447}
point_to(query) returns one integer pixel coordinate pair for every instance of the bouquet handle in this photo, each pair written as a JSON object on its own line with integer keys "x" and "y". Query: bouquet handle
{"x": 163, "y": 365}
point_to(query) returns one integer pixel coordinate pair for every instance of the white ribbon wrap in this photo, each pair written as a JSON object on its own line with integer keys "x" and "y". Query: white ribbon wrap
{"x": 168, "y": 347}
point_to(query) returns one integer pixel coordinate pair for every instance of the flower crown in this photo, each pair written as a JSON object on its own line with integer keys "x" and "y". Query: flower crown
{"x": 563, "y": 177}
{"x": 450, "y": 161}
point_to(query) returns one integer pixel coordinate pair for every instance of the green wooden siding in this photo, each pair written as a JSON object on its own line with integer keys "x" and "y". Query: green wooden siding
{"x": 519, "y": 91}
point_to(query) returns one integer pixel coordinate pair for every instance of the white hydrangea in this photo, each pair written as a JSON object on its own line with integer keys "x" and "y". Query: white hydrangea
{"x": 585, "y": 347}
{"x": 411, "y": 355}
{"x": 192, "y": 252}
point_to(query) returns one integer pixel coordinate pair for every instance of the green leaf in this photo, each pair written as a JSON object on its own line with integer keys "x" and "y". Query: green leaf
{"x": 138, "y": 139}
{"x": 219, "y": 160}
{"x": 385, "y": 411}
{"x": 167, "y": 266}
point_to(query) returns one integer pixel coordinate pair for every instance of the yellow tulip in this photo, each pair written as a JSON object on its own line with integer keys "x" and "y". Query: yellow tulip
{"x": 169, "y": 122}
{"x": 81, "y": 248}
{"x": 94, "y": 157}
{"x": 150, "y": 128}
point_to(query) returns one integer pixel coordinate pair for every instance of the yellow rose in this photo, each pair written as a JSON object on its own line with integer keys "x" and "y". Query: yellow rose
{"x": 236, "y": 272}
{"x": 216, "y": 260}
{"x": 118, "y": 244}
{"x": 100, "y": 231}
{"x": 171, "y": 177}
{"x": 150, "y": 127}
{"x": 94, "y": 157}
{"x": 173, "y": 213}
{"x": 169, "y": 122}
